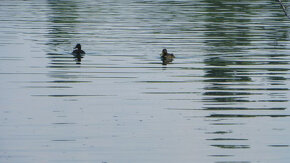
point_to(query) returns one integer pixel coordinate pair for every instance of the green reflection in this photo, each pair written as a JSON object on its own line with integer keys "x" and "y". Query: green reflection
{"x": 239, "y": 52}
{"x": 226, "y": 29}
{"x": 63, "y": 18}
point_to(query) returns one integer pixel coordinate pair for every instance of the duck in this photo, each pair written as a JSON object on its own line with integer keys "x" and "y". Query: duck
{"x": 166, "y": 57}
{"x": 78, "y": 50}
{"x": 78, "y": 53}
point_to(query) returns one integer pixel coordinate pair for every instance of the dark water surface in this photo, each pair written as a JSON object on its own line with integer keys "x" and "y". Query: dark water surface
{"x": 225, "y": 98}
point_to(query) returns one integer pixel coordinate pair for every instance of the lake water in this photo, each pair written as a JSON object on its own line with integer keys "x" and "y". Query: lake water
{"x": 224, "y": 99}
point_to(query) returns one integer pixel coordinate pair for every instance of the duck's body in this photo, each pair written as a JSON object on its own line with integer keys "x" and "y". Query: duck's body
{"x": 166, "y": 57}
{"x": 78, "y": 51}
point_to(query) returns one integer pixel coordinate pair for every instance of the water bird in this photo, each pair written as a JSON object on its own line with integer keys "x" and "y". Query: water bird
{"x": 78, "y": 50}
{"x": 166, "y": 57}
{"x": 78, "y": 53}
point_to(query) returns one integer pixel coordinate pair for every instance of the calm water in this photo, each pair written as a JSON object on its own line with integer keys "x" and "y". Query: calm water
{"x": 224, "y": 99}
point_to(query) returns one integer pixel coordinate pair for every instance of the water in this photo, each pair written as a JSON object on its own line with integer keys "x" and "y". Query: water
{"x": 223, "y": 99}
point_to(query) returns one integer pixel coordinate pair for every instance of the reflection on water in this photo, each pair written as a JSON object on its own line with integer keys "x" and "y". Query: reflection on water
{"x": 223, "y": 99}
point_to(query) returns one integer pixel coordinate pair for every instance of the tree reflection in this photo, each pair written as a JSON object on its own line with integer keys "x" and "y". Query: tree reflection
{"x": 63, "y": 18}
{"x": 226, "y": 34}
{"x": 62, "y": 30}
{"x": 229, "y": 41}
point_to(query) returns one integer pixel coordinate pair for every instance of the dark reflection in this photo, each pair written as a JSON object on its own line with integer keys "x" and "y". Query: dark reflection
{"x": 243, "y": 80}
{"x": 227, "y": 31}
{"x": 231, "y": 146}
{"x": 62, "y": 61}
{"x": 279, "y": 145}
{"x": 242, "y": 108}
{"x": 219, "y": 132}
{"x": 63, "y": 140}
{"x": 63, "y": 81}
{"x": 221, "y": 156}
{"x": 225, "y": 139}
{"x": 63, "y": 18}
{"x": 230, "y": 73}
{"x": 78, "y": 59}
{"x": 243, "y": 116}
{"x": 63, "y": 123}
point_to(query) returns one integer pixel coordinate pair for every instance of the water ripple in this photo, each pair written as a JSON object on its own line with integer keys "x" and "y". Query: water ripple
{"x": 226, "y": 91}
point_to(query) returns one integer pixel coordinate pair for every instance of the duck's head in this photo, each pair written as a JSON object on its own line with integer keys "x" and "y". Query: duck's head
{"x": 164, "y": 51}
{"x": 78, "y": 46}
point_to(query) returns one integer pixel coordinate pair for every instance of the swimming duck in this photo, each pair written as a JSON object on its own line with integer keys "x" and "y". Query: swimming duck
{"x": 78, "y": 53}
{"x": 166, "y": 57}
{"x": 78, "y": 50}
